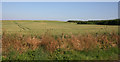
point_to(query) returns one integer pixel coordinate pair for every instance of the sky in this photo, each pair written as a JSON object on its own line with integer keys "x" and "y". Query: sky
{"x": 59, "y": 10}
{"x": 60, "y": 0}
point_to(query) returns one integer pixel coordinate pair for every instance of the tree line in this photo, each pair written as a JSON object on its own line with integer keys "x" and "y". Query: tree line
{"x": 98, "y": 22}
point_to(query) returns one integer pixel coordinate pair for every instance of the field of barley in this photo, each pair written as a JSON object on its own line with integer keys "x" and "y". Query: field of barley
{"x": 55, "y": 27}
{"x": 58, "y": 40}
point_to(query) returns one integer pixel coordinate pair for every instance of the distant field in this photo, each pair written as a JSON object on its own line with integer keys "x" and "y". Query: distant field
{"x": 54, "y": 27}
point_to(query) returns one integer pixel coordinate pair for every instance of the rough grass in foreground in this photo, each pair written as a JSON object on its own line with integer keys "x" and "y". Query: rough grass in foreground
{"x": 64, "y": 47}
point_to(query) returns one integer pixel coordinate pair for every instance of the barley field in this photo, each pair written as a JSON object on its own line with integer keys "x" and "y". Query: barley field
{"x": 54, "y": 27}
{"x": 58, "y": 40}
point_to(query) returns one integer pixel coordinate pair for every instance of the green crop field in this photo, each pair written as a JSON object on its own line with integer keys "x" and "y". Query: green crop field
{"x": 55, "y": 27}
{"x": 58, "y": 40}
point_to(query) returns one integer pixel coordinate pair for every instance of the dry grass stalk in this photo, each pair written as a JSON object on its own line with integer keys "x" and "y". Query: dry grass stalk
{"x": 23, "y": 43}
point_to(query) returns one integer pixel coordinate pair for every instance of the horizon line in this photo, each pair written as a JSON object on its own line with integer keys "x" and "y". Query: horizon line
{"x": 59, "y": 20}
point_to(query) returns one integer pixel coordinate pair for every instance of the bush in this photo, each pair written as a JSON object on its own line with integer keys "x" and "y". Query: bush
{"x": 98, "y": 22}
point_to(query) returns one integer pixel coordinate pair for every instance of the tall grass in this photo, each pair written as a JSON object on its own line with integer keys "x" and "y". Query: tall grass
{"x": 21, "y": 43}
